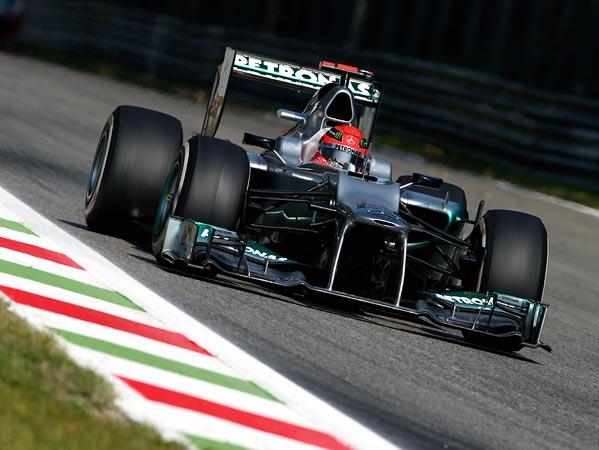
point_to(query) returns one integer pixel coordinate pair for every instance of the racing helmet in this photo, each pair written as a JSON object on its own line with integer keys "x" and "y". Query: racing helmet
{"x": 343, "y": 147}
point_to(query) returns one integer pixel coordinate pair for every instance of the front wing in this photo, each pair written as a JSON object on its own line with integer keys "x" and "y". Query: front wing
{"x": 195, "y": 246}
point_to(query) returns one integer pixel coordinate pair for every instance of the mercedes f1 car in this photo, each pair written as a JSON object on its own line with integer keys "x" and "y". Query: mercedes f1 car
{"x": 406, "y": 248}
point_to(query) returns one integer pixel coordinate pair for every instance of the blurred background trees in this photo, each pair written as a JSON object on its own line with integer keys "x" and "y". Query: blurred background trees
{"x": 551, "y": 44}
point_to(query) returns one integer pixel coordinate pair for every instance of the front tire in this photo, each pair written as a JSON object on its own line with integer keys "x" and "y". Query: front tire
{"x": 136, "y": 149}
{"x": 207, "y": 183}
{"x": 515, "y": 263}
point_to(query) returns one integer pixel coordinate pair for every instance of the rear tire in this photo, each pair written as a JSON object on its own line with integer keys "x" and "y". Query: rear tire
{"x": 136, "y": 149}
{"x": 515, "y": 263}
{"x": 207, "y": 183}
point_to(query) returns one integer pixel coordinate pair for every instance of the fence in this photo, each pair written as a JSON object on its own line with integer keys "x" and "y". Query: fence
{"x": 480, "y": 115}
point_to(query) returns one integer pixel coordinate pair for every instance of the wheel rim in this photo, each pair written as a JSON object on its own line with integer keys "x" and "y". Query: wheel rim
{"x": 168, "y": 198}
{"x": 98, "y": 164}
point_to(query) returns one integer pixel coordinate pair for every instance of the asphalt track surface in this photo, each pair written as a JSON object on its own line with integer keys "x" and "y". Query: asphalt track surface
{"x": 419, "y": 386}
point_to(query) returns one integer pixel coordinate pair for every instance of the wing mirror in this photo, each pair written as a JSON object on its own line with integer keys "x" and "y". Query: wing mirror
{"x": 291, "y": 115}
{"x": 258, "y": 141}
{"x": 420, "y": 179}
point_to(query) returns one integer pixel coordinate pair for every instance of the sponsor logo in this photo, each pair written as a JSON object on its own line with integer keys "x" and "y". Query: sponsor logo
{"x": 376, "y": 210}
{"x": 301, "y": 75}
{"x": 226, "y": 235}
{"x": 473, "y": 301}
{"x": 351, "y": 140}
{"x": 204, "y": 233}
{"x": 261, "y": 252}
{"x": 511, "y": 301}
{"x": 345, "y": 148}
{"x": 336, "y": 134}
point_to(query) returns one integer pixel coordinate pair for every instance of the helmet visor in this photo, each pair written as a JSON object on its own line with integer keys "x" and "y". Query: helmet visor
{"x": 342, "y": 157}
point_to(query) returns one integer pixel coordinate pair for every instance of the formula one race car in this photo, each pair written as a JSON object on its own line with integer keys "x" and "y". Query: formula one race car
{"x": 342, "y": 229}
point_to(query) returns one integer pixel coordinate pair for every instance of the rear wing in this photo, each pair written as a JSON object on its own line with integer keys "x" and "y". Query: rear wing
{"x": 288, "y": 75}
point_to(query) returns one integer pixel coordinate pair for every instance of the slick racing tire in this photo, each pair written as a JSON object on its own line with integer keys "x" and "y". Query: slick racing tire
{"x": 515, "y": 263}
{"x": 136, "y": 150}
{"x": 207, "y": 183}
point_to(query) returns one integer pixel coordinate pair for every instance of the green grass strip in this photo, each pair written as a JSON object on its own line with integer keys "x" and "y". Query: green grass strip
{"x": 209, "y": 444}
{"x": 47, "y": 402}
{"x": 58, "y": 281}
{"x": 164, "y": 364}
{"x": 15, "y": 226}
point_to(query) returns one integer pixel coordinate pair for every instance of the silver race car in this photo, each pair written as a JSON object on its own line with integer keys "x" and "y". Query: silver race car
{"x": 343, "y": 229}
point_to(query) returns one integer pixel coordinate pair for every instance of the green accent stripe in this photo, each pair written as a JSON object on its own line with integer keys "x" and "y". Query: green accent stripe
{"x": 15, "y": 226}
{"x": 209, "y": 444}
{"x": 164, "y": 364}
{"x": 58, "y": 281}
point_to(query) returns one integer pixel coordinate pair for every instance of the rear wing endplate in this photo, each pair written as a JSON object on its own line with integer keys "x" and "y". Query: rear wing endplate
{"x": 278, "y": 73}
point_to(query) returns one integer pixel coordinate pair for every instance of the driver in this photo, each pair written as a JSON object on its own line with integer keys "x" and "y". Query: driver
{"x": 342, "y": 147}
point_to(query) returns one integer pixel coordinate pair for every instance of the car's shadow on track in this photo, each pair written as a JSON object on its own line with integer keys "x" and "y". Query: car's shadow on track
{"x": 81, "y": 226}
